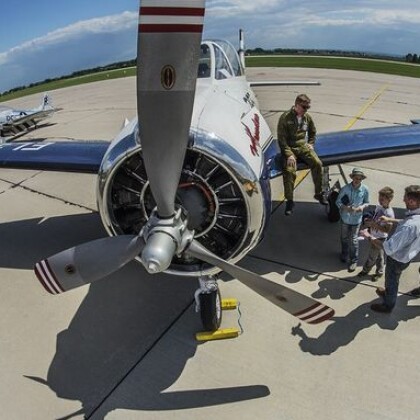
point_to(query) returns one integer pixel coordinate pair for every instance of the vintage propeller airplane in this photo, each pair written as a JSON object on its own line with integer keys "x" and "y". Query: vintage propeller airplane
{"x": 185, "y": 188}
{"x": 14, "y": 122}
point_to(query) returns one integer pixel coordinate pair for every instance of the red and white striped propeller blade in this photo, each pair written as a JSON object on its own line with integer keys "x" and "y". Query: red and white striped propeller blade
{"x": 167, "y": 61}
{"x": 86, "y": 263}
{"x": 301, "y": 306}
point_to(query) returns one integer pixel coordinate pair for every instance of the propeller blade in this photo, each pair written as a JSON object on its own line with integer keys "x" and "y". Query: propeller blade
{"x": 168, "y": 52}
{"x": 301, "y": 306}
{"x": 86, "y": 263}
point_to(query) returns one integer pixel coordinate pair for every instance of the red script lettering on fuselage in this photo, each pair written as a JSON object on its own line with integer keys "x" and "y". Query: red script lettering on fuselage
{"x": 255, "y": 138}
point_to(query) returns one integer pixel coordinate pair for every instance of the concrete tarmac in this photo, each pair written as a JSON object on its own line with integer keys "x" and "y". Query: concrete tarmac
{"x": 124, "y": 348}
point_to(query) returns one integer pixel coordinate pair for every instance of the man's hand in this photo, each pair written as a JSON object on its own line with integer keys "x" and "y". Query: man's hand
{"x": 291, "y": 161}
{"x": 310, "y": 146}
{"x": 364, "y": 233}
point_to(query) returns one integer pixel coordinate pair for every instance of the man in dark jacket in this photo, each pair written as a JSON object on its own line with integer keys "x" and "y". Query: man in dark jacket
{"x": 296, "y": 135}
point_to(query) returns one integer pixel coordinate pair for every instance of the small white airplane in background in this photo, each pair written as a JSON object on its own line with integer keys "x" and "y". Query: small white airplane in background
{"x": 185, "y": 188}
{"x": 14, "y": 122}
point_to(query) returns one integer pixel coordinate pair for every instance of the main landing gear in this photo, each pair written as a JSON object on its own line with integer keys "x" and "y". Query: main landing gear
{"x": 333, "y": 212}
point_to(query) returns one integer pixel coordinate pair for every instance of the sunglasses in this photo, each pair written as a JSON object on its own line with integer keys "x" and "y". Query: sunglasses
{"x": 305, "y": 107}
{"x": 358, "y": 178}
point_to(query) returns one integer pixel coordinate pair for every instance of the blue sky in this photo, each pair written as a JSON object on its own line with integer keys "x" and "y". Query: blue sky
{"x": 50, "y": 38}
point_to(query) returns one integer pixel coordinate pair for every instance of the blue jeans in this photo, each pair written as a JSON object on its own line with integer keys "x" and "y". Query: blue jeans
{"x": 349, "y": 242}
{"x": 393, "y": 272}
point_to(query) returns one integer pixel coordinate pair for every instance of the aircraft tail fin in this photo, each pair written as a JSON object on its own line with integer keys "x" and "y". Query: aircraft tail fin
{"x": 125, "y": 123}
{"x": 46, "y": 102}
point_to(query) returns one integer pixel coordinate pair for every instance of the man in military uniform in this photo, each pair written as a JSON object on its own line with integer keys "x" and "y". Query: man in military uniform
{"x": 296, "y": 135}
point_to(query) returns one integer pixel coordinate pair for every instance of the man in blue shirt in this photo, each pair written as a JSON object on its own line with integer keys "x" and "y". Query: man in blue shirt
{"x": 400, "y": 248}
{"x": 351, "y": 201}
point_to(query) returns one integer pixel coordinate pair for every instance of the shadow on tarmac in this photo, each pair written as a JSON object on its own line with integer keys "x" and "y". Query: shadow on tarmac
{"x": 122, "y": 318}
{"x": 126, "y": 315}
{"x": 344, "y": 329}
{"x": 306, "y": 245}
{"x": 28, "y": 241}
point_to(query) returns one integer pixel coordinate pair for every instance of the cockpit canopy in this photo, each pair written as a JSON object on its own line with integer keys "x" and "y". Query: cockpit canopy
{"x": 219, "y": 59}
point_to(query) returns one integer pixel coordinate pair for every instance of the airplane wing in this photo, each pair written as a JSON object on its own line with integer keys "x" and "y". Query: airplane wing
{"x": 356, "y": 145}
{"x": 332, "y": 148}
{"x": 372, "y": 143}
{"x": 53, "y": 155}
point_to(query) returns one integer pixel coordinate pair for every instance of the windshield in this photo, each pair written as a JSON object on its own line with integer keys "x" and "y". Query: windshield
{"x": 231, "y": 55}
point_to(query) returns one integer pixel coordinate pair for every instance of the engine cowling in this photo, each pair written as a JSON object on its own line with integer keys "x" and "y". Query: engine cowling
{"x": 219, "y": 193}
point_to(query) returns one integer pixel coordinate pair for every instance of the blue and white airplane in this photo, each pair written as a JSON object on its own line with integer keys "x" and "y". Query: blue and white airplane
{"x": 14, "y": 122}
{"x": 185, "y": 187}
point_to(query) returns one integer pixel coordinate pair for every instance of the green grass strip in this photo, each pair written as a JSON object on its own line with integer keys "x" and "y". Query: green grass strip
{"x": 359, "y": 64}
{"x": 68, "y": 82}
{"x": 340, "y": 63}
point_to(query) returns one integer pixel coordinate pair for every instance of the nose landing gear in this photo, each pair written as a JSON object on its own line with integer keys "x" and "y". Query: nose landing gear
{"x": 210, "y": 305}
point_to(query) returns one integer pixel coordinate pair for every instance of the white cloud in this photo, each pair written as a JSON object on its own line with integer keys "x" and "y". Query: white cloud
{"x": 223, "y": 8}
{"x": 386, "y": 26}
{"x": 107, "y": 24}
{"x": 71, "y": 48}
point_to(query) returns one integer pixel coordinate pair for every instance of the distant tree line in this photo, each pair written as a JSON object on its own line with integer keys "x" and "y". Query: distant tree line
{"x": 412, "y": 58}
{"x": 113, "y": 66}
{"x": 322, "y": 52}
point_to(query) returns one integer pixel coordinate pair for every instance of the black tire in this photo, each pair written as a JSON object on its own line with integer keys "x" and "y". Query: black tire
{"x": 211, "y": 310}
{"x": 333, "y": 212}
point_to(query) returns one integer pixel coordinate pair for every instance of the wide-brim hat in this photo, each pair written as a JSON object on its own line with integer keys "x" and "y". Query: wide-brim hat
{"x": 357, "y": 172}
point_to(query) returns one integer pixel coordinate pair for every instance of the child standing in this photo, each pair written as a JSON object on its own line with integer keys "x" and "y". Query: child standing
{"x": 351, "y": 201}
{"x": 379, "y": 230}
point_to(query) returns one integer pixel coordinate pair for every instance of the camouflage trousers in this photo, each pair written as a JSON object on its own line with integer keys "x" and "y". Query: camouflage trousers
{"x": 305, "y": 154}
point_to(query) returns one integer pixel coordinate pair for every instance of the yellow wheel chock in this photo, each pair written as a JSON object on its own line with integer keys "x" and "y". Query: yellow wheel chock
{"x": 223, "y": 333}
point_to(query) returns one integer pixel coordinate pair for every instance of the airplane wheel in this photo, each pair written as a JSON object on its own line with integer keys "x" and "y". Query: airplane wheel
{"x": 211, "y": 310}
{"x": 333, "y": 212}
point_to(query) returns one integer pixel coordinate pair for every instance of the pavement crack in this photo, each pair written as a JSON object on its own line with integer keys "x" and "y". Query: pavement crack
{"x": 392, "y": 172}
{"x": 81, "y": 206}
{"x": 62, "y": 200}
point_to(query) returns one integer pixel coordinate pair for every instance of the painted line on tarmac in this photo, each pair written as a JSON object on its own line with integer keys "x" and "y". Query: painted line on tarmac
{"x": 364, "y": 108}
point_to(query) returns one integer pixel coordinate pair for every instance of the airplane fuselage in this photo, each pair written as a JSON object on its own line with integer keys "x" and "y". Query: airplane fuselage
{"x": 224, "y": 187}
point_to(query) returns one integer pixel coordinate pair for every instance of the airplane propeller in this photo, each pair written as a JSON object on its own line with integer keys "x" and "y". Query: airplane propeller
{"x": 168, "y": 55}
